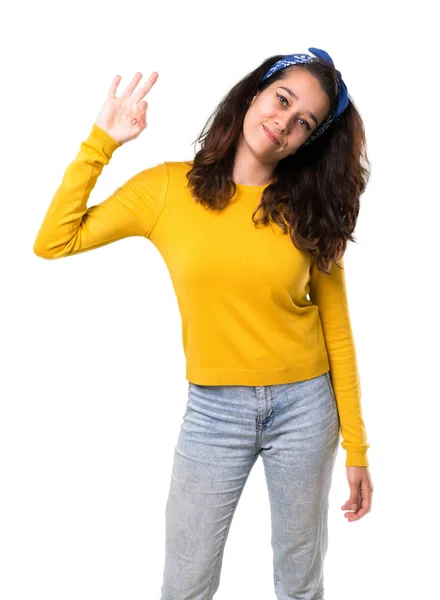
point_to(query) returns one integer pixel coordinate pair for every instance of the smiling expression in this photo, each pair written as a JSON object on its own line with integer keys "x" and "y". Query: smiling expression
{"x": 289, "y": 110}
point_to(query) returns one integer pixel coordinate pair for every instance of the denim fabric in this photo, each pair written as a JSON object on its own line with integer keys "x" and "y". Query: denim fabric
{"x": 295, "y": 428}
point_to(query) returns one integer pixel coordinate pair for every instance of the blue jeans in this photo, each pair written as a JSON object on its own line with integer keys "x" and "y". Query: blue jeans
{"x": 295, "y": 427}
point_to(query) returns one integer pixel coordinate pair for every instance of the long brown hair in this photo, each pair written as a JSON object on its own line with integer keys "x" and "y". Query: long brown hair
{"x": 314, "y": 195}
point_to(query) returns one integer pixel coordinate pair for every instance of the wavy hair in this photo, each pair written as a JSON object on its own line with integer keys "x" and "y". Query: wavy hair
{"x": 314, "y": 194}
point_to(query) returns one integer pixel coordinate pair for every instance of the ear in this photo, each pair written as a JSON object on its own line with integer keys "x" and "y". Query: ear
{"x": 251, "y": 102}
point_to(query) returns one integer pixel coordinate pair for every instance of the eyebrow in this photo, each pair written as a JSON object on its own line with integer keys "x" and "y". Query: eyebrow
{"x": 311, "y": 115}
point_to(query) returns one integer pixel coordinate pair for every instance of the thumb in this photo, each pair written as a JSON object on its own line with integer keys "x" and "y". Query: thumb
{"x": 354, "y": 502}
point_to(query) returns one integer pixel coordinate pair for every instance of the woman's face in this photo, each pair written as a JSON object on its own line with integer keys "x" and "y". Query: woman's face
{"x": 287, "y": 109}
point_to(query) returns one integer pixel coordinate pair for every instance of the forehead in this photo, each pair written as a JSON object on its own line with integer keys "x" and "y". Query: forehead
{"x": 305, "y": 90}
{"x": 302, "y": 79}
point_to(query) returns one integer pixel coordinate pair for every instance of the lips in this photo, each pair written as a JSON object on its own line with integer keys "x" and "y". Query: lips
{"x": 271, "y": 136}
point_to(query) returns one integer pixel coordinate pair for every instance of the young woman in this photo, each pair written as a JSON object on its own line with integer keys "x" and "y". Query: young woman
{"x": 249, "y": 231}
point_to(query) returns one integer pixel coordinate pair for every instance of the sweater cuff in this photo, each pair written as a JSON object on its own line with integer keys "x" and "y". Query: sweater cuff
{"x": 356, "y": 459}
{"x": 103, "y": 141}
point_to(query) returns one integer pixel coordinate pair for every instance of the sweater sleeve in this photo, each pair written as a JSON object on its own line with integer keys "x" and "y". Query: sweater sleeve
{"x": 329, "y": 293}
{"x": 69, "y": 227}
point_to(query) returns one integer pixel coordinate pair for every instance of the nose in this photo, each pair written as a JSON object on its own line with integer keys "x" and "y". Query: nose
{"x": 283, "y": 122}
{"x": 281, "y": 126}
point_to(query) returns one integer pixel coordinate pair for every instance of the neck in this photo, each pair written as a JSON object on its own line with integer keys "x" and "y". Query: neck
{"x": 248, "y": 169}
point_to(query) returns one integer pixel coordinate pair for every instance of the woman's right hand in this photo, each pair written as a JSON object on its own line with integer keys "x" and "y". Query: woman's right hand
{"x": 125, "y": 118}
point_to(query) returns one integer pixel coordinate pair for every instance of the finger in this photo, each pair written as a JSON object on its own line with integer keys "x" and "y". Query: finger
{"x": 356, "y": 516}
{"x": 114, "y": 86}
{"x": 141, "y": 114}
{"x": 363, "y": 510}
{"x": 133, "y": 83}
{"x": 349, "y": 505}
{"x": 350, "y": 508}
{"x": 363, "y": 502}
{"x": 143, "y": 91}
{"x": 355, "y": 499}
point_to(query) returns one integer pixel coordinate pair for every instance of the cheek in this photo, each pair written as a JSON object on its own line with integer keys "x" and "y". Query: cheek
{"x": 259, "y": 113}
{"x": 266, "y": 111}
{"x": 251, "y": 122}
{"x": 254, "y": 119}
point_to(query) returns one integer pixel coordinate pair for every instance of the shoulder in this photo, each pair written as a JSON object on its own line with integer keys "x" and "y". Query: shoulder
{"x": 178, "y": 167}
{"x": 177, "y": 171}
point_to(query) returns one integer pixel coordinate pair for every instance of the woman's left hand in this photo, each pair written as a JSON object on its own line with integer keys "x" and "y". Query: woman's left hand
{"x": 361, "y": 493}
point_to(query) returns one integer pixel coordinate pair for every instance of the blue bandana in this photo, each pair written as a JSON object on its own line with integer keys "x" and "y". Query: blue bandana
{"x": 342, "y": 94}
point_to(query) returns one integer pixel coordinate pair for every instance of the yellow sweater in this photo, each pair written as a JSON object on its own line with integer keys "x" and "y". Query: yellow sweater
{"x": 241, "y": 290}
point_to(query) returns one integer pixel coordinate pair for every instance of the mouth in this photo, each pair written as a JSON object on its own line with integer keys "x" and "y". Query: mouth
{"x": 271, "y": 136}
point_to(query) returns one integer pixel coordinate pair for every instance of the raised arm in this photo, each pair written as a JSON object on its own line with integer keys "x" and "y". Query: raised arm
{"x": 132, "y": 210}
{"x": 329, "y": 293}
{"x": 69, "y": 227}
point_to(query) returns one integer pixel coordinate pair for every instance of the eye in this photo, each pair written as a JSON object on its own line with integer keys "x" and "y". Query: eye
{"x": 281, "y": 98}
{"x": 306, "y": 124}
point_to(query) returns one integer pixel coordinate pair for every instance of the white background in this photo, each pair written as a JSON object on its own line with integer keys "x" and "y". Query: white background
{"x": 93, "y": 385}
